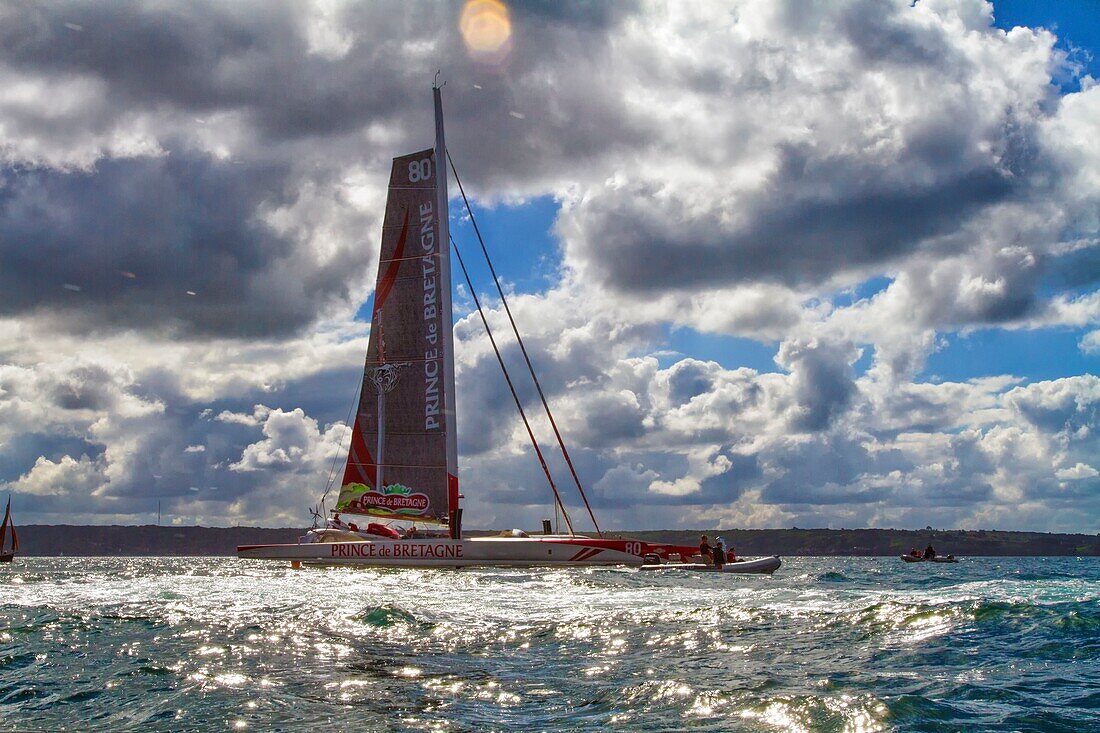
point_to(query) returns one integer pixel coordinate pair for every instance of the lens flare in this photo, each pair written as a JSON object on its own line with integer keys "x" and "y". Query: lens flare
{"x": 487, "y": 30}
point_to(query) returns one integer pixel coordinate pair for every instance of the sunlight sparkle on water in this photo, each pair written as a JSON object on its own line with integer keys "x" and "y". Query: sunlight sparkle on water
{"x": 827, "y": 644}
{"x": 779, "y": 715}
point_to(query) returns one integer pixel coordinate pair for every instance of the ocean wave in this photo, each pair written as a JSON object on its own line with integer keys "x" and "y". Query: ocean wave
{"x": 386, "y": 616}
{"x": 833, "y": 576}
{"x": 1069, "y": 618}
{"x": 210, "y": 644}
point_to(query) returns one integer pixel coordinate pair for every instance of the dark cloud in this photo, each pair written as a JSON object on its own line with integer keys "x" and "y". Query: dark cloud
{"x": 18, "y": 453}
{"x": 172, "y": 243}
{"x": 294, "y": 117}
{"x": 85, "y": 388}
{"x": 829, "y": 471}
{"x": 914, "y": 409}
{"x": 611, "y": 419}
{"x": 636, "y": 244}
{"x": 579, "y": 15}
{"x": 563, "y": 364}
{"x": 823, "y": 381}
{"x": 826, "y": 208}
{"x": 1078, "y": 269}
{"x": 205, "y": 57}
{"x": 561, "y": 107}
{"x": 1067, "y": 405}
{"x": 256, "y": 57}
{"x": 486, "y": 411}
{"x": 893, "y": 38}
{"x": 687, "y": 379}
{"x": 613, "y": 483}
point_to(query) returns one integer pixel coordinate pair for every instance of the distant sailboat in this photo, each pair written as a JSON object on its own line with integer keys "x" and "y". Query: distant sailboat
{"x": 403, "y": 460}
{"x": 6, "y": 555}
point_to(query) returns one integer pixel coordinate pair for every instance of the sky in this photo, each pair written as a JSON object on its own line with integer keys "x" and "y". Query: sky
{"x": 814, "y": 264}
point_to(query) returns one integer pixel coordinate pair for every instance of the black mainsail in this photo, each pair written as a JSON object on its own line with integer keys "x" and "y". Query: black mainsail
{"x": 403, "y": 458}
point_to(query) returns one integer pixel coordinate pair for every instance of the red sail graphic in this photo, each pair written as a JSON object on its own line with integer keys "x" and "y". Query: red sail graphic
{"x": 385, "y": 283}
{"x": 397, "y": 465}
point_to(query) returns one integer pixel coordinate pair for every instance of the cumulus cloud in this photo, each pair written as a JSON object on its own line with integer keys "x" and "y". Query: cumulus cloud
{"x": 1091, "y": 342}
{"x": 1063, "y": 405}
{"x": 810, "y": 178}
{"x": 290, "y": 440}
{"x": 1077, "y": 472}
{"x": 823, "y": 381}
{"x": 812, "y": 444}
{"x": 82, "y": 475}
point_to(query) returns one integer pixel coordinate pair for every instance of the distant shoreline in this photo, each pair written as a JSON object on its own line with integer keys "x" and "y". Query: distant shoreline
{"x": 45, "y": 540}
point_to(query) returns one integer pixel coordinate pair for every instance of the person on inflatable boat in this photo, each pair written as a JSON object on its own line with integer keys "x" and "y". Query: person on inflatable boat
{"x": 704, "y": 549}
{"x": 719, "y": 553}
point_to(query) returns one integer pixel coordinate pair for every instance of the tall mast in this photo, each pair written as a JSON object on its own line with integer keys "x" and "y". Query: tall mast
{"x": 444, "y": 239}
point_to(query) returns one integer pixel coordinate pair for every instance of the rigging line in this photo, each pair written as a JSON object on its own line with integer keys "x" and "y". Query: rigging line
{"x": 519, "y": 405}
{"x": 523, "y": 349}
{"x": 332, "y": 468}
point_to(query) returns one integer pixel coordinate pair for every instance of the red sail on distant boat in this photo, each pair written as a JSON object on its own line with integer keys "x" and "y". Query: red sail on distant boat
{"x": 399, "y": 462}
{"x": 7, "y": 552}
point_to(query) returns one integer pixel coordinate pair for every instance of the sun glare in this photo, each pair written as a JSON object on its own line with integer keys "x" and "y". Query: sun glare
{"x": 487, "y": 30}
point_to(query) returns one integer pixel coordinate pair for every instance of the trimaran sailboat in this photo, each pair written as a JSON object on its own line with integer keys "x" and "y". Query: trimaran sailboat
{"x": 8, "y": 527}
{"x": 403, "y": 460}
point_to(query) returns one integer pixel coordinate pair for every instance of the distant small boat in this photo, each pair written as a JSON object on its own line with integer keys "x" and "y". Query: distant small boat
{"x": 938, "y": 558}
{"x": 6, "y": 555}
{"x": 758, "y": 566}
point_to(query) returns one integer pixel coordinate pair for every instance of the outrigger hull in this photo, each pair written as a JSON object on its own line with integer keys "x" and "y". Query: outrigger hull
{"x": 470, "y": 552}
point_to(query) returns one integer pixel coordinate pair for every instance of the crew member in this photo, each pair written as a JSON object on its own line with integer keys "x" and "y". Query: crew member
{"x": 719, "y": 553}
{"x": 704, "y": 549}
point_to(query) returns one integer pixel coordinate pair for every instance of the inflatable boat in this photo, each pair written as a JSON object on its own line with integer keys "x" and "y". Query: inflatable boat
{"x": 938, "y": 558}
{"x": 759, "y": 565}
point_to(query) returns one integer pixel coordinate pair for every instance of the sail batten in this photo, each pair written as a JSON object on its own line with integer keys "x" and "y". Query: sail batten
{"x": 399, "y": 466}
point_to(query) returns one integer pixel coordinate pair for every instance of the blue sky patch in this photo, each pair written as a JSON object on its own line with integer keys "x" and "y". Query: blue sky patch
{"x": 1075, "y": 22}
{"x": 1036, "y": 356}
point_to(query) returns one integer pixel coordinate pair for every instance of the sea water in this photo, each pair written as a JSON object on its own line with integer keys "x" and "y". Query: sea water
{"x": 826, "y": 644}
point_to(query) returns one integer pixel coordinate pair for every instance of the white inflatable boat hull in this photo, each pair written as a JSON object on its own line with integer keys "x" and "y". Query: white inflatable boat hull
{"x": 759, "y": 565}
